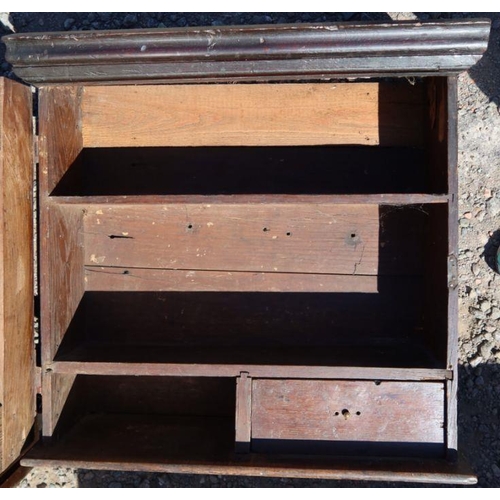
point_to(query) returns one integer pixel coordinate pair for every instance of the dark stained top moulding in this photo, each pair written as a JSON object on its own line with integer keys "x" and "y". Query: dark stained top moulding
{"x": 249, "y": 53}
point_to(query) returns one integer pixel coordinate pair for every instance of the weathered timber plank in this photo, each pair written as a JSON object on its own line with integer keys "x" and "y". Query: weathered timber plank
{"x": 255, "y": 370}
{"x": 109, "y": 279}
{"x": 62, "y": 285}
{"x": 243, "y": 422}
{"x": 117, "y": 442}
{"x": 61, "y": 265}
{"x": 252, "y": 115}
{"x": 259, "y": 238}
{"x": 17, "y": 354}
{"x": 451, "y": 133}
{"x": 392, "y": 412}
{"x": 327, "y": 239}
{"x": 337, "y": 199}
{"x": 60, "y": 136}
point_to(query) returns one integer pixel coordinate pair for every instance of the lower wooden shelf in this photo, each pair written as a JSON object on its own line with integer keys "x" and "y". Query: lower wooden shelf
{"x": 205, "y": 445}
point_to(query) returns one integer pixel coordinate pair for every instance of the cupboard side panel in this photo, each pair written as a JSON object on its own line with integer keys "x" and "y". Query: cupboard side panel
{"x": 17, "y": 354}
{"x": 452, "y": 133}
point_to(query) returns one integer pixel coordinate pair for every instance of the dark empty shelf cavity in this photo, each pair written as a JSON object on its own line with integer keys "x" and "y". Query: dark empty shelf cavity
{"x": 384, "y": 329}
{"x": 230, "y": 361}
{"x": 292, "y": 170}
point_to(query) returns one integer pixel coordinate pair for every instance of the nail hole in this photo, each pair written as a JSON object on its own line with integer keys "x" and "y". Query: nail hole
{"x": 353, "y": 235}
{"x": 289, "y": 234}
{"x": 126, "y": 272}
{"x": 377, "y": 382}
{"x": 265, "y": 229}
{"x": 358, "y": 413}
{"x": 190, "y": 226}
{"x": 336, "y": 413}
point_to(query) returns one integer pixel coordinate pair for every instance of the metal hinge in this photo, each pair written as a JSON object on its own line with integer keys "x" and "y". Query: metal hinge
{"x": 452, "y": 272}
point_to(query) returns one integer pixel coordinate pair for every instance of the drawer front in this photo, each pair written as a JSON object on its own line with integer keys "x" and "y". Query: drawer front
{"x": 348, "y": 417}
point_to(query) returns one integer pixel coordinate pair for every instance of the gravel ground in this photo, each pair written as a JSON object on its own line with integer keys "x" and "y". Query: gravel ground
{"x": 479, "y": 211}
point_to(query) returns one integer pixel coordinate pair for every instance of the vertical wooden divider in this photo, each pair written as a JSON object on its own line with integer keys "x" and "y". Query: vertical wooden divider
{"x": 61, "y": 238}
{"x": 243, "y": 422}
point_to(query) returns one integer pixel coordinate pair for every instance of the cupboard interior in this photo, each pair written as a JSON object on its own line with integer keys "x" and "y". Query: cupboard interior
{"x": 392, "y": 312}
{"x": 193, "y": 420}
{"x": 274, "y": 284}
{"x": 343, "y": 138}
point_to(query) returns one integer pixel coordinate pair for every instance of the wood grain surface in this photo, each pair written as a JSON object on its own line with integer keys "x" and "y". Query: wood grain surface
{"x": 251, "y": 115}
{"x": 392, "y": 412}
{"x": 17, "y": 352}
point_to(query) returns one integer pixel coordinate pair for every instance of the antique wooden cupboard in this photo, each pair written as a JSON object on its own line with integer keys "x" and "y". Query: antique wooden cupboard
{"x": 246, "y": 241}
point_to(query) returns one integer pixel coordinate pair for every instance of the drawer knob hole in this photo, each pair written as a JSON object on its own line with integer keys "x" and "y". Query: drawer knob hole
{"x": 346, "y": 413}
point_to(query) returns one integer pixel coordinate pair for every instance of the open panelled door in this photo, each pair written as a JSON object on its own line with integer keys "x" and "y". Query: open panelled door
{"x": 17, "y": 350}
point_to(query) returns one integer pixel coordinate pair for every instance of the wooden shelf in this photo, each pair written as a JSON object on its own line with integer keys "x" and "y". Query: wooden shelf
{"x": 393, "y": 362}
{"x": 234, "y": 370}
{"x": 156, "y": 443}
{"x": 320, "y": 199}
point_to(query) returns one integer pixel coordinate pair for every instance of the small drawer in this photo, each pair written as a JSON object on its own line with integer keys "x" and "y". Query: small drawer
{"x": 348, "y": 417}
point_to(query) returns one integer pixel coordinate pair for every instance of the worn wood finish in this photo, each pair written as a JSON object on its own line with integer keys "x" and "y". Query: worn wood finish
{"x": 452, "y": 352}
{"x": 115, "y": 279}
{"x": 253, "y": 53}
{"x": 55, "y": 389}
{"x": 61, "y": 244}
{"x": 206, "y": 446}
{"x": 60, "y": 134}
{"x": 288, "y": 412}
{"x": 17, "y": 352}
{"x": 62, "y": 273}
{"x": 256, "y": 238}
{"x": 164, "y": 340}
{"x": 256, "y": 115}
{"x": 255, "y": 370}
{"x": 331, "y": 239}
{"x": 14, "y": 477}
{"x": 436, "y": 248}
{"x": 62, "y": 283}
{"x": 349, "y": 199}
{"x": 243, "y": 422}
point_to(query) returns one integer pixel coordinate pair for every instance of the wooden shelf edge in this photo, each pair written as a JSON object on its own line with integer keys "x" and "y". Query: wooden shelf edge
{"x": 264, "y": 371}
{"x": 355, "y": 199}
{"x": 430, "y": 475}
